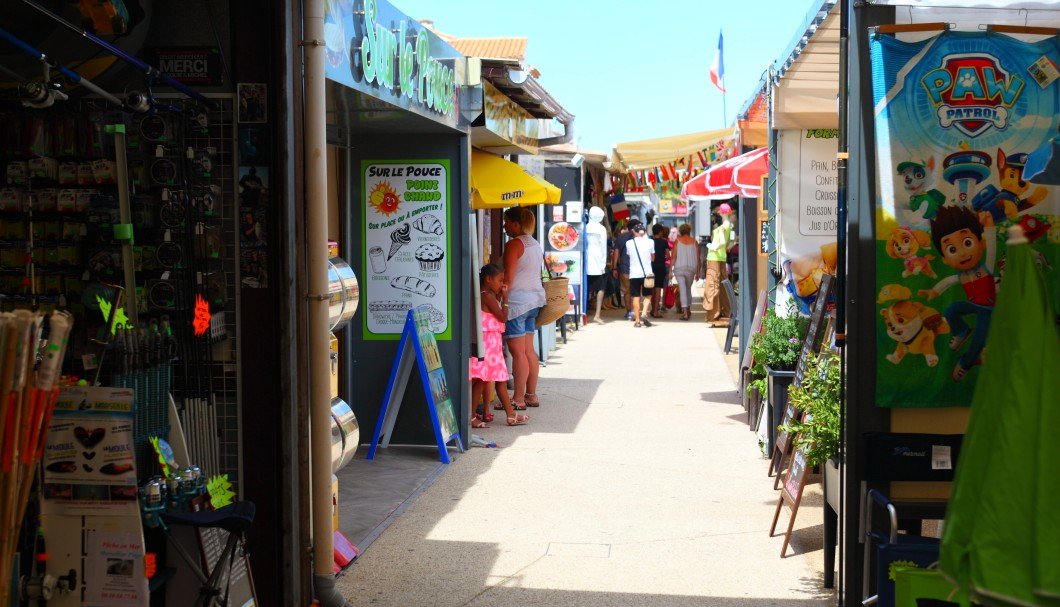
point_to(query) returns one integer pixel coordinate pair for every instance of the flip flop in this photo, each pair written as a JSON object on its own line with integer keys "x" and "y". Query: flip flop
{"x": 518, "y": 407}
{"x": 478, "y": 423}
{"x": 518, "y": 420}
{"x": 532, "y": 403}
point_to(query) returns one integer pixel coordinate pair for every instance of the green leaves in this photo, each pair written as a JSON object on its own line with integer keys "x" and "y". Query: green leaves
{"x": 780, "y": 341}
{"x": 817, "y": 396}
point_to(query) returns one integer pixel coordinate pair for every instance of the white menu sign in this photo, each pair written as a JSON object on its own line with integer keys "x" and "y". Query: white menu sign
{"x": 406, "y": 244}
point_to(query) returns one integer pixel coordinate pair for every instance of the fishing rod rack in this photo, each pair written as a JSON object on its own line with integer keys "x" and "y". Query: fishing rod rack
{"x": 59, "y": 249}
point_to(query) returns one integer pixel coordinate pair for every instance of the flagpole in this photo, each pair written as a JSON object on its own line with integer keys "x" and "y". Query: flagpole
{"x": 717, "y": 76}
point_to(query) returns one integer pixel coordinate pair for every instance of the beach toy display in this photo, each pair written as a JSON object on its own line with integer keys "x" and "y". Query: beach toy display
{"x": 964, "y": 169}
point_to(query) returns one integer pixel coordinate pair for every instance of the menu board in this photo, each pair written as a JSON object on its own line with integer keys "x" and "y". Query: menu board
{"x": 815, "y": 330}
{"x": 442, "y": 400}
{"x": 791, "y": 494}
{"x": 418, "y": 348}
{"x": 407, "y": 245}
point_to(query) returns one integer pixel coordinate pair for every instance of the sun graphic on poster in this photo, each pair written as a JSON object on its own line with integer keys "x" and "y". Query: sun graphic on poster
{"x": 384, "y": 198}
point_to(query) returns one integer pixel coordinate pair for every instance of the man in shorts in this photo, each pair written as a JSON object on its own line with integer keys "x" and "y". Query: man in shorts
{"x": 620, "y": 264}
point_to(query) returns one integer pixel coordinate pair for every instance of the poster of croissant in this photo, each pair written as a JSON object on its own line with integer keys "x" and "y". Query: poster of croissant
{"x": 407, "y": 245}
{"x": 807, "y": 222}
{"x": 960, "y": 120}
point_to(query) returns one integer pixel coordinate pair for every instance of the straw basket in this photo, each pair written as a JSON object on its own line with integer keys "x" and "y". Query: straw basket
{"x": 556, "y": 301}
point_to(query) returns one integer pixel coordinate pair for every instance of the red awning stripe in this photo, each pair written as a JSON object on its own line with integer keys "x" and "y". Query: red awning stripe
{"x": 738, "y": 176}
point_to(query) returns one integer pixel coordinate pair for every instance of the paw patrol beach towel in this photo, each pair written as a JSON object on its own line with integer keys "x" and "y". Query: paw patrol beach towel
{"x": 956, "y": 118}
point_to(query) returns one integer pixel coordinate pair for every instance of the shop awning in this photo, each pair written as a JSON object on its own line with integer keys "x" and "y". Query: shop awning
{"x": 498, "y": 183}
{"x": 651, "y": 153}
{"x": 739, "y": 176}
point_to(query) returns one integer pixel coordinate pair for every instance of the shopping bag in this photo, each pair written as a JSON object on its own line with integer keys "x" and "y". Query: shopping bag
{"x": 670, "y": 297}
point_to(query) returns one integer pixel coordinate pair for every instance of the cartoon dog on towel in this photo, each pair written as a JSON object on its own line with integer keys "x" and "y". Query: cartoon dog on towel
{"x": 904, "y": 243}
{"x": 914, "y": 326}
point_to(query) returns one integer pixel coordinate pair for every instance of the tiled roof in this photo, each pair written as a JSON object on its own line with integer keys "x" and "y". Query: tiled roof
{"x": 492, "y": 48}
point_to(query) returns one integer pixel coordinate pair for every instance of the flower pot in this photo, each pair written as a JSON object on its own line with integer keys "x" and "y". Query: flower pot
{"x": 831, "y": 483}
{"x": 754, "y": 407}
{"x": 778, "y": 382}
{"x": 831, "y": 519}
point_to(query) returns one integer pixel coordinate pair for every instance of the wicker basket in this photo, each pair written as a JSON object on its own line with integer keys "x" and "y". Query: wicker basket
{"x": 556, "y": 300}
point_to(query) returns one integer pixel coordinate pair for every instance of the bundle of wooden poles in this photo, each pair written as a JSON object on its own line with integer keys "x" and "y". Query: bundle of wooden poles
{"x": 29, "y": 371}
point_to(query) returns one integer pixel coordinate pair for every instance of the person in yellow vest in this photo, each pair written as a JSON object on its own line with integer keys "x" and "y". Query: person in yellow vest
{"x": 722, "y": 238}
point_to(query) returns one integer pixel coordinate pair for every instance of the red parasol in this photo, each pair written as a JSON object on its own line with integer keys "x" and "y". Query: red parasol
{"x": 739, "y": 176}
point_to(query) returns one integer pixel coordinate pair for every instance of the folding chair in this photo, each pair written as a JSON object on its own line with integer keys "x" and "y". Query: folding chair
{"x": 891, "y": 547}
{"x": 236, "y": 519}
{"x": 894, "y": 456}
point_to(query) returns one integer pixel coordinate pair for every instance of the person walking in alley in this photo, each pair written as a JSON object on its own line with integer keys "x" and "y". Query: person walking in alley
{"x": 660, "y": 266}
{"x": 523, "y": 262}
{"x": 491, "y": 370}
{"x": 641, "y": 252}
{"x": 685, "y": 262}
{"x": 620, "y": 265}
{"x": 721, "y": 239}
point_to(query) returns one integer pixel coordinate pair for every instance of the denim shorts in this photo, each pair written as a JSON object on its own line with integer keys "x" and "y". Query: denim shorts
{"x": 521, "y": 325}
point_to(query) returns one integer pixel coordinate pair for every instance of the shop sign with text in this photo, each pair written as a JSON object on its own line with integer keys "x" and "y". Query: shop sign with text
{"x": 377, "y": 50}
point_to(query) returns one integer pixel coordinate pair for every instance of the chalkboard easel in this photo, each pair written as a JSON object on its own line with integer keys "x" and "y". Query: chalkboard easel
{"x": 791, "y": 494}
{"x": 418, "y": 347}
{"x": 815, "y": 330}
{"x": 783, "y": 446}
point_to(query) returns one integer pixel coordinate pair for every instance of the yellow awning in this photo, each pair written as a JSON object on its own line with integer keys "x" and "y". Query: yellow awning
{"x": 498, "y": 183}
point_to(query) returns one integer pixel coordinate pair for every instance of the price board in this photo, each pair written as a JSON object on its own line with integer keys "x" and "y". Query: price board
{"x": 816, "y": 328}
{"x": 791, "y": 494}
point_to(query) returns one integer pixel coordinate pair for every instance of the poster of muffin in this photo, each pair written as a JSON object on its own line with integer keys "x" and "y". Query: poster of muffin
{"x": 405, "y": 224}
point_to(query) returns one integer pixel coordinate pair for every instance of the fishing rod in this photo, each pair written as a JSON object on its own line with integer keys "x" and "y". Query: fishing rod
{"x": 69, "y": 73}
{"x": 150, "y": 72}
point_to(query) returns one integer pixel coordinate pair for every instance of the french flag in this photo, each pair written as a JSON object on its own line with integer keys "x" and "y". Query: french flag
{"x": 717, "y": 69}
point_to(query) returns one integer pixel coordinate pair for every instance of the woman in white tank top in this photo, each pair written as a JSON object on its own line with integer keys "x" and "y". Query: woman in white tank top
{"x": 523, "y": 260}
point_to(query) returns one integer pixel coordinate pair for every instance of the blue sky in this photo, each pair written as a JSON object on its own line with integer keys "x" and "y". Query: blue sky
{"x": 633, "y": 70}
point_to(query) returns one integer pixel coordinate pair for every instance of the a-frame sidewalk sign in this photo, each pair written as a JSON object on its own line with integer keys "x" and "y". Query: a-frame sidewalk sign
{"x": 418, "y": 347}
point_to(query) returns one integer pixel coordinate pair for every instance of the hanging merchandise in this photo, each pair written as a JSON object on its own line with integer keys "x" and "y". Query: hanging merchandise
{"x": 136, "y": 101}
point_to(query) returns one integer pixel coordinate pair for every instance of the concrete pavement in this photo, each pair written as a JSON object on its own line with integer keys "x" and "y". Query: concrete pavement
{"x": 637, "y": 482}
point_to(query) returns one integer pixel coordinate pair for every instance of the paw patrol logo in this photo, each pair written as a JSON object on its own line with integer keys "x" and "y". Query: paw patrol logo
{"x": 972, "y": 93}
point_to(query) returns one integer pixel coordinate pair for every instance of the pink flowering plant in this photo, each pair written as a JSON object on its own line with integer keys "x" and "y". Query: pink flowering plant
{"x": 777, "y": 345}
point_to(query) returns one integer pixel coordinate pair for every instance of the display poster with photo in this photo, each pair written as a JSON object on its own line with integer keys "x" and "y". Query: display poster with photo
{"x": 959, "y": 117}
{"x": 89, "y": 462}
{"x": 114, "y": 573}
{"x": 441, "y": 399}
{"x": 563, "y": 249}
{"x": 807, "y": 222}
{"x": 568, "y": 265}
{"x": 407, "y": 245}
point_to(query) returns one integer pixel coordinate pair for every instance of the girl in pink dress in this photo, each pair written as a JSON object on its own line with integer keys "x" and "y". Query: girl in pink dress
{"x": 492, "y": 368}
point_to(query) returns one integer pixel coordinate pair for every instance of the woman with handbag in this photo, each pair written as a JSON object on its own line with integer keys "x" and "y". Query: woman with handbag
{"x": 685, "y": 261}
{"x": 641, "y": 251}
{"x": 523, "y": 262}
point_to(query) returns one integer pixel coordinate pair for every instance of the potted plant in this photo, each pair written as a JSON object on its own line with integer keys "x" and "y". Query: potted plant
{"x": 775, "y": 353}
{"x": 817, "y": 431}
